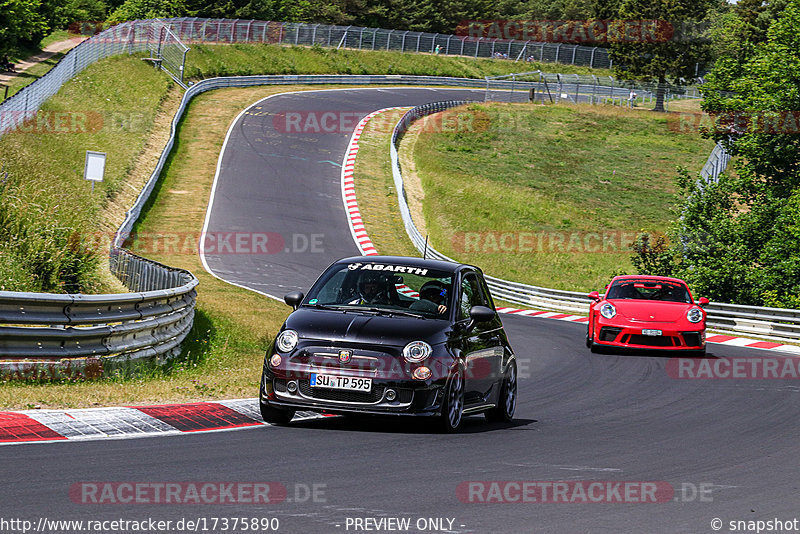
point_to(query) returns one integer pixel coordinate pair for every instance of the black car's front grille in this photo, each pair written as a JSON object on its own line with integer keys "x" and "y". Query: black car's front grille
{"x": 404, "y": 396}
{"x": 608, "y": 333}
{"x": 692, "y": 339}
{"x": 370, "y": 397}
{"x": 651, "y": 341}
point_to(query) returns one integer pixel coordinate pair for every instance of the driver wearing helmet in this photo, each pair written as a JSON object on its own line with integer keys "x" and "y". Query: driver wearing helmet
{"x": 432, "y": 295}
{"x": 372, "y": 289}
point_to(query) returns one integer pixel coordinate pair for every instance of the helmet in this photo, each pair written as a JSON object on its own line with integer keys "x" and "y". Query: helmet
{"x": 432, "y": 289}
{"x": 372, "y": 285}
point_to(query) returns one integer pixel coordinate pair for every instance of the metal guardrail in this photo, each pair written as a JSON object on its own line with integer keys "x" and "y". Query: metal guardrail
{"x": 716, "y": 164}
{"x": 772, "y": 323}
{"x": 55, "y": 330}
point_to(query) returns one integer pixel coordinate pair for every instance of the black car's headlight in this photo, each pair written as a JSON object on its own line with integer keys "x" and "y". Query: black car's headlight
{"x": 695, "y": 315}
{"x": 416, "y": 351}
{"x": 608, "y": 310}
{"x": 287, "y": 341}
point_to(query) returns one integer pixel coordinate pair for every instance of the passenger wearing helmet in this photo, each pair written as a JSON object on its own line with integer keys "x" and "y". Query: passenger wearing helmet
{"x": 372, "y": 289}
{"x": 431, "y": 298}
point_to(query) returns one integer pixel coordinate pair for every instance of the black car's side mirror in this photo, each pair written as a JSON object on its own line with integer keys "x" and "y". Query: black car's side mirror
{"x": 478, "y": 314}
{"x": 294, "y": 299}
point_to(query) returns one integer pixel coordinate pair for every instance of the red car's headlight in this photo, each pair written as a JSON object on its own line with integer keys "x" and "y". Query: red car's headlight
{"x": 695, "y": 315}
{"x": 608, "y": 310}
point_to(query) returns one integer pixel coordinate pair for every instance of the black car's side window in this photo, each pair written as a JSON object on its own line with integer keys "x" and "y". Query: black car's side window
{"x": 471, "y": 295}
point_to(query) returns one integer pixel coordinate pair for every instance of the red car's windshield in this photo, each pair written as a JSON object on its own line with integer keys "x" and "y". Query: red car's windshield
{"x": 663, "y": 290}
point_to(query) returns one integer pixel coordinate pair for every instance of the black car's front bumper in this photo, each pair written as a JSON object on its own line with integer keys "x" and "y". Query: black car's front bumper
{"x": 413, "y": 398}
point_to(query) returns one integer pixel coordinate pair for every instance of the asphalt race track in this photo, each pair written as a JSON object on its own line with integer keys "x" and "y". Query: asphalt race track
{"x": 727, "y": 448}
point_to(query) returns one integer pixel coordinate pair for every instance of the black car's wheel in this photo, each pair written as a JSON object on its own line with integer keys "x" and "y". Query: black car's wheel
{"x": 270, "y": 414}
{"x": 453, "y": 403}
{"x": 507, "y": 401}
{"x": 275, "y": 416}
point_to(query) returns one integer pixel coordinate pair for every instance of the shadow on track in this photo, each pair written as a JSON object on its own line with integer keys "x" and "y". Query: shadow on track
{"x": 403, "y": 425}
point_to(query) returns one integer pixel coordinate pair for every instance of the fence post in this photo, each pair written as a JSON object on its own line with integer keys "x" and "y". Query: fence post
{"x": 478, "y": 46}
{"x": 558, "y": 49}
{"x": 591, "y": 60}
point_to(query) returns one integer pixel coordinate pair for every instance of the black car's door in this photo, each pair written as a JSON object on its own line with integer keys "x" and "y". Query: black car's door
{"x": 481, "y": 346}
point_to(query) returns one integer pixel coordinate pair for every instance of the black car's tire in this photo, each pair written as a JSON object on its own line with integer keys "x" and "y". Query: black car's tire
{"x": 275, "y": 416}
{"x": 453, "y": 403}
{"x": 270, "y": 414}
{"x": 507, "y": 401}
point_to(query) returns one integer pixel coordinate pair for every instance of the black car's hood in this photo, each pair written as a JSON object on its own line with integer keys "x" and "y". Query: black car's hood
{"x": 357, "y": 327}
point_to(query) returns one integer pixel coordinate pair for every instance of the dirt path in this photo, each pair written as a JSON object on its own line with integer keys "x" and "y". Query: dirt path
{"x": 48, "y": 52}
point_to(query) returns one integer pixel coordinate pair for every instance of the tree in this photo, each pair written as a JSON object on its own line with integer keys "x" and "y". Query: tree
{"x": 671, "y": 51}
{"x": 739, "y": 237}
{"x": 20, "y": 24}
{"x": 148, "y": 9}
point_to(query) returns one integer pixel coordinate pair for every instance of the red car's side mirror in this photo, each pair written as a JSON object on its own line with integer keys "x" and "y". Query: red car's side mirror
{"x": 594, "y": 295}
{"x": 702, "y": 301}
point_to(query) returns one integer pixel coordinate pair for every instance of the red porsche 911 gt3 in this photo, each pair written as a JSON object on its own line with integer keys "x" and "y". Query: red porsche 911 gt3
{"x": 647, "y": 312}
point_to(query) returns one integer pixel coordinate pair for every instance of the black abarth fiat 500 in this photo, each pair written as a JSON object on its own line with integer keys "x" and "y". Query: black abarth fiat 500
{"x": 394, "y": 336}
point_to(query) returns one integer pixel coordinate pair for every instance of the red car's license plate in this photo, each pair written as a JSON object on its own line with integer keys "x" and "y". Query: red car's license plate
{"x": 651, "y": 332}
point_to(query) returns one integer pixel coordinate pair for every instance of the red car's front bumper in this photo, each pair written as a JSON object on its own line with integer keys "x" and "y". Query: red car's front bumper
{"x": 636, "y": 336}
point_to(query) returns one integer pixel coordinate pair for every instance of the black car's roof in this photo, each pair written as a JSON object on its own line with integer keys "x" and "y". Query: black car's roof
{"x": 408, "y": 260}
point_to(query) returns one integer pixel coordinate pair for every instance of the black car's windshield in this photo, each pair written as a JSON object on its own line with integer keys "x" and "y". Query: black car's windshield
{"x": 663, "y": 290}
{"x": 384, "y": 288}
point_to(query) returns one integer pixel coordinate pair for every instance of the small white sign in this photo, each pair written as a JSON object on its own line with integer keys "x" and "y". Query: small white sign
{"x": 95, "y": 166}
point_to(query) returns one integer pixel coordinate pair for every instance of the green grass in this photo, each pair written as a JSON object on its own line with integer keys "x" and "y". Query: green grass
{"x": 206, "y": 60}
{"x": 540, "y": 174}
{"x": 23, "y": 79}
{"x": 47, "y": 207}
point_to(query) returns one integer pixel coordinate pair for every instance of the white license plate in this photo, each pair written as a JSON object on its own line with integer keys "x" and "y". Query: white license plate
{"x": 350, "y": 383}
{"x": 651, "y": 332}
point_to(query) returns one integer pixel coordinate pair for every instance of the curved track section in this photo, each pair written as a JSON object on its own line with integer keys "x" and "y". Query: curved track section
{"x": 726, "y": 448}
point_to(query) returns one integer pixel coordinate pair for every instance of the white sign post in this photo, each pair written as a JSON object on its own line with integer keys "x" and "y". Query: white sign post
{"x": 95, "y": 167}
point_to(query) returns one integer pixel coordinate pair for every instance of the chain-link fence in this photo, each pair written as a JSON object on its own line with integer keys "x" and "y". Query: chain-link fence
{"x": 355, "y": 37}
{"x": 551, "y": 87}
{"x": 128, "y": 37}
